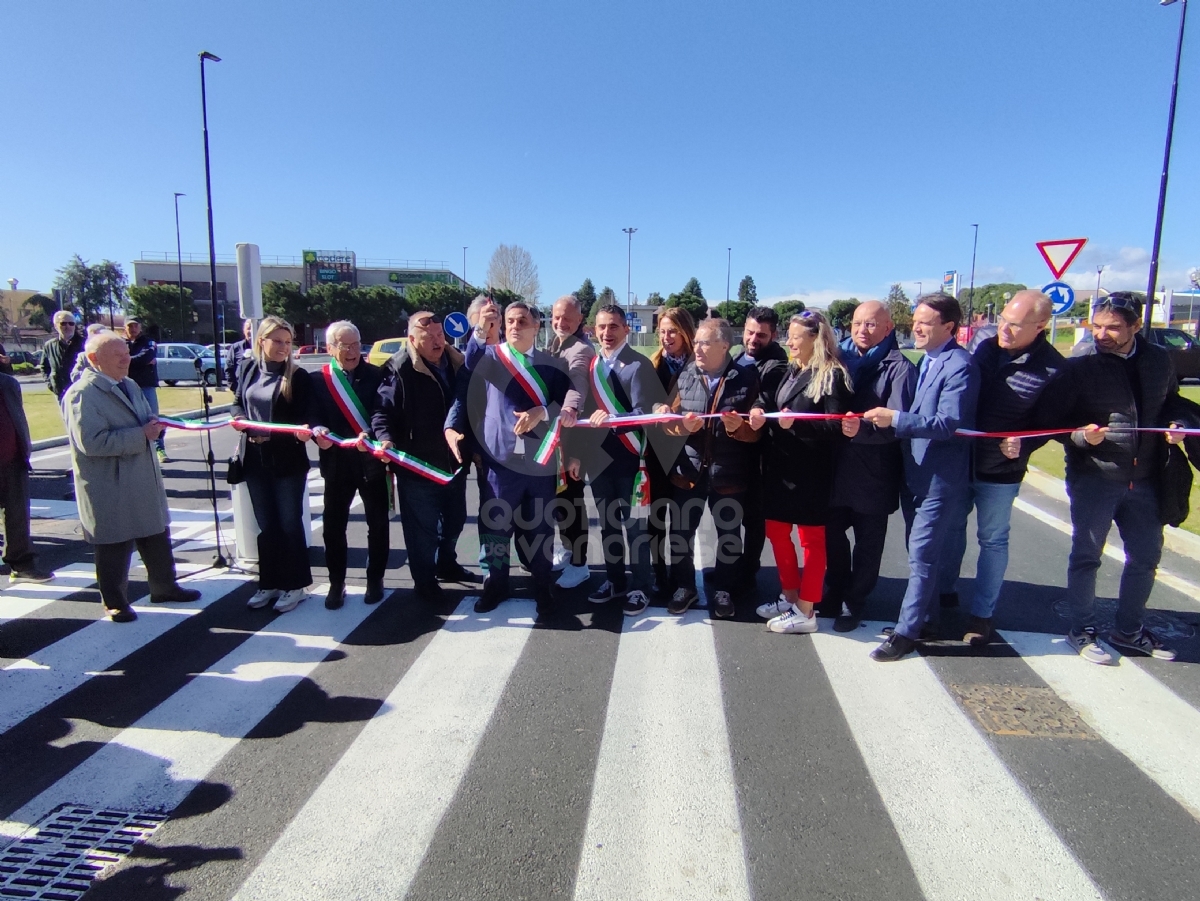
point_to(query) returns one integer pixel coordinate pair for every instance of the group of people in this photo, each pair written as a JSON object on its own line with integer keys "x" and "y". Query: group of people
{"x": 800, "y": 447}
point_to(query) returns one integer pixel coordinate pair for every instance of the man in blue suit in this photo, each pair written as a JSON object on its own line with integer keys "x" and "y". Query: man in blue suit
{"x": 936, "y": 463}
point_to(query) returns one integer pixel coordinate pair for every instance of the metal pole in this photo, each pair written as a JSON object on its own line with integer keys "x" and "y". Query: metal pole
{"x": 212, "y": 248}
{"x": 1162, "y": 184}
{"x": 974, "y": 247}
{"x": 629, "y": 265}
{"x": 1096, "y": 296}
{"x": 179, "y": 258}
{"x": 728, "y": 263}
{"x": 464, "y": 268}
{"x": 920, "y": 285}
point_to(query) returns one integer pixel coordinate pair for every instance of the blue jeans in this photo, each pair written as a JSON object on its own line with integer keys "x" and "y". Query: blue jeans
{"x": 619, "y": 530}
{"x": 432, "y": 517}
{"x": 1096, "y": 503}
{"x": 993, "y": 503}
{"x": 151, "y": 395}
{"x": 929, "y": 521}
{"x": 517, "y": 504}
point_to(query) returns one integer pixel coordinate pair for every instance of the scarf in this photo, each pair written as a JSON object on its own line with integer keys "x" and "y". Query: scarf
{"x": 864, "y": 367}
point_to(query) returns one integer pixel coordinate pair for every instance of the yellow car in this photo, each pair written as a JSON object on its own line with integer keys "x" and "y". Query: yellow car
{"x": 382, "y": 350}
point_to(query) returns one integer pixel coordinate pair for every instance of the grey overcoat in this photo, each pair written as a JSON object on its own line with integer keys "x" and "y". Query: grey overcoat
{"x": 118, "y": 485}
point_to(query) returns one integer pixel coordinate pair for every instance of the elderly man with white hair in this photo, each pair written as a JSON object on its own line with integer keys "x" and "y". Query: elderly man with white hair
{"x": 344, "y": 400}
{"x": 60, "y": 352}
{"x": 118, "y": 484}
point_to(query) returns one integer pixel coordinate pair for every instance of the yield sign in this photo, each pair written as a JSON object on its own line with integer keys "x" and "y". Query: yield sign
{"x": 1059, "y": 255}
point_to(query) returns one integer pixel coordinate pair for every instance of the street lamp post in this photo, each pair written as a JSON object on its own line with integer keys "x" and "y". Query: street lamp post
{"x": 464, "y": 267}
{"x": 920, "y": 285}
{"x": 179, "y": 259}
{"x": 628, "y": 265}
{"x": 212, "y": 247}
{"x": 1162, "y": 184}
{"x": 974, "y": 247}
{"x": 1096, "y": 296}
{"x": 728, "y": 264}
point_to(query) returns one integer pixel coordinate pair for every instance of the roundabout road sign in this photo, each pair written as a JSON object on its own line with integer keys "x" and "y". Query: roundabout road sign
{"x": 1062, "y": 296}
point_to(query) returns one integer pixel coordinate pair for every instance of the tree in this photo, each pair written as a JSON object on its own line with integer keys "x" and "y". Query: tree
{"x": 841, "y": 312}
{"x": 786, "y": 309}
{"x": 586, "y": 295}
{"x": 158, "y": 307}
{"x": 77, "y": 282}
{"x": 734, "y": 311}
{"x": 39, "y": 311}
{"x": 988, "y": 294}
{"x": 654, "y": 299}
{"x": 747, "y": 292}
{"x": 691, "y": 298}
{"x": 900, "y": 309}
{"x": 283, "y": 299}
{"x": 111, "y": 285}
{"x": 512, "y": 269}
{"x": 604, "y": 298}
{"x": 438, "y": 297}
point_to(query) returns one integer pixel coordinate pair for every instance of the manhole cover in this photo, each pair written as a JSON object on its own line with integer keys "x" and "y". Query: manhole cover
{"x": 1022, "y": 711}
{"x": 58, "y": 859}
{"x": 1164, "y": 625}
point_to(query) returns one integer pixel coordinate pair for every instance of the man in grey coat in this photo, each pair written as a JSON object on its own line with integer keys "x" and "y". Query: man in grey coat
{"x": 118, "y": 484}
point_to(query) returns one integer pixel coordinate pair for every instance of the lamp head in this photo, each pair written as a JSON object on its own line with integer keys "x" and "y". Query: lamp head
{"x": 1165, "y": 2}
{"x": 204, "y": 54}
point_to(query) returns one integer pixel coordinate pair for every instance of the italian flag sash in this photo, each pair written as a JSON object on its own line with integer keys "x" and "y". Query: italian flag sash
{"x": 634, "y": 442}
{"x": 343, "y": 395}
{"x": 527, "y": 377}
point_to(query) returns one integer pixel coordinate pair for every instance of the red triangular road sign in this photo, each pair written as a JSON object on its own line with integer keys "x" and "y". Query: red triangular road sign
{"x": 1059, "y": 255}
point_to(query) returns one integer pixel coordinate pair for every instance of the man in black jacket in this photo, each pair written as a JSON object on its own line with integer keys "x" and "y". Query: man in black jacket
{"x": 1014, "y": 368}
{"x": 15, "y": 449}
{"x": 1114, "y": 474}
{"x": 418, "y": 390}
{"x": 869, "y": 471}
{"x": 60, "y": 352}
{"x": 344, "y": 398}
{"x": 762, "y": 351}
{"x": 715, "y": 466}
{"x": 143, "y": 369}
{"x": 235, "y": 354}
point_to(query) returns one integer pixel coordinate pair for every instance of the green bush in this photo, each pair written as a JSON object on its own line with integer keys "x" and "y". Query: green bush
{"x": 24, "y": 369}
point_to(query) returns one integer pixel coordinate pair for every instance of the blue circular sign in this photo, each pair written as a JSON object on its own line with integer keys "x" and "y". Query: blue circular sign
{"x": 455, "y": 325}
{"x": 1062, "y": 296}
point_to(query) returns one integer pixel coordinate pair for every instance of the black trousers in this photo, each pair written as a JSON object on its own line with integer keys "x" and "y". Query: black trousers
{"x": 14, "y": 498}
{"x": 573, "y": 522}
{"x": 112, "y": 567}
{"x": 339, "y": 495}
{"x": 851, "y": 576}
{"x": 754, "y": 526}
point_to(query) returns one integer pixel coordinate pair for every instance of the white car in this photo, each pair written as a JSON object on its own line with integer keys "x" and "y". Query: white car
{"x": 182, "y": 363}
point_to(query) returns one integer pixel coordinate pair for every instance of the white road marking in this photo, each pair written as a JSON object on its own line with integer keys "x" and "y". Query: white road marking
{"x": 155, "y": 763}
{"x": 657, "y": 829}
{"x": 1115, "y": 700}
{"x": 23, "y": 598}
{"x": 423, "y": 739}
{"x": 977, "y": 834}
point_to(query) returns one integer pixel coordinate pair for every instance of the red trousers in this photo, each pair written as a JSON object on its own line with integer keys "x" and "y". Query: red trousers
{"x": 812, "y": 539}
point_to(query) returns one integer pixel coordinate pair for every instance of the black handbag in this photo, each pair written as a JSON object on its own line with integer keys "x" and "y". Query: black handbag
{"x": 234, "y": 474}
{"x": 1175, "y": 488}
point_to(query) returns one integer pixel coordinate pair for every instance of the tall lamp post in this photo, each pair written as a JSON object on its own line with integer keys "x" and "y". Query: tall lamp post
{"x": 974, "y": 247}
{"x": 212, "y": 247}
{"x": 179, "y": 259}
{"x": 920, "y": 285}
{"x": 1162, "y": 184}
{"x": 464, "y": 267}
{"x": 1096, "y": 296}
{"x": 628, "y": 265}
{"x": 728, "y": 266}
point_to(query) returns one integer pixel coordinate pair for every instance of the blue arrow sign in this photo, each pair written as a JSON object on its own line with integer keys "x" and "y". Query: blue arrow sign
{"x": 455, "y": 325}
{"x": 1062, "y": 296}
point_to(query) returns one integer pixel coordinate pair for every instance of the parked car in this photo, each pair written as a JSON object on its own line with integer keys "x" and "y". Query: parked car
{"x": 381, "y": 351}
{"x": 308, "y": 350}
{"x": 182, "y": 363}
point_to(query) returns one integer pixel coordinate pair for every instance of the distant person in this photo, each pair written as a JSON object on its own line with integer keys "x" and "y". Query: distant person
{"x": 15, "y": 448}
{"x": 82, "y": 363}
{"x": 60, "y": 352}
{"x": 235, "y": 354}
{"x": 143, "y": 369}
{"x": 6, "y": 366}
{"x": 122, "y": 501}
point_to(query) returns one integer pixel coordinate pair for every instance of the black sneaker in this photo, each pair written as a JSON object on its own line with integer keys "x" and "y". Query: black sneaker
{"x": 605, "y": 593}
{"x": 454, "y": 572}
{"x": 722, "y": 606}
{"x": 895, "y": 647}
{"x": 374, "y": 592}
{"x": 29, "y": 575}
{"x": 845, "y": 622}
{"x": 336, "y": 596}
{"x": 1143, "y": 643}
{"x": 635, "y": 603}
{"x": 681, "y": 600}
{"x": 493, "y": 594}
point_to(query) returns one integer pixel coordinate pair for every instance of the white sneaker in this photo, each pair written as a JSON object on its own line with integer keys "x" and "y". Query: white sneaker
{"x": 793, "y": 621}
{"x": 290, "y": 600}
{"x": 262, "y": 597}
{"x": 775, "y": 608}
{"x": 573, "y": 576}
{"x": 562, "y": 558}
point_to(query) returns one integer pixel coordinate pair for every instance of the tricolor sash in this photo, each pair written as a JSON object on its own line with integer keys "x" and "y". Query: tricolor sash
{"x": 343, "y": 395}
{"x": 634, "y": 442}
{"x": 522, "y": 370}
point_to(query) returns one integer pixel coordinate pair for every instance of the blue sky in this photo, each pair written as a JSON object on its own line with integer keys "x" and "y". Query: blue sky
{"x": 836, "y": 147}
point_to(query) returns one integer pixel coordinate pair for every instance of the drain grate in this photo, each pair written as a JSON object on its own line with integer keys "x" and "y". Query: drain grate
{"x": 1022, "y": 711}
{"x": 58, "y": 859}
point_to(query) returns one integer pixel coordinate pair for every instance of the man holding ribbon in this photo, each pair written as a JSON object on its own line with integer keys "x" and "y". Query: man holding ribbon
{"x": 513, "y": 399}
{"x": 344, "y": 398}
{"x": 418, "y": 389}
{"x": 621, "y": 382}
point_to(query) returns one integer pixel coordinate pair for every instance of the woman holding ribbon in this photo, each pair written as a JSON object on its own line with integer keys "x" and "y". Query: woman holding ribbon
{"x": 797, "y": 465}
{"x": 272, "y": 390}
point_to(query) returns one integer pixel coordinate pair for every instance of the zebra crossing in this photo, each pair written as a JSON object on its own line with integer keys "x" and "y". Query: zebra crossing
{"x": 655, "y": 796}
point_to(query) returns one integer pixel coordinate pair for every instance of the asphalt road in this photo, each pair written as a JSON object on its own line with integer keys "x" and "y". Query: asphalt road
{"x": 404, "y": 751}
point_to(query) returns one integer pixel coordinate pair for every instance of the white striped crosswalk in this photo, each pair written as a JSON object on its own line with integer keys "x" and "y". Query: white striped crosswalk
{"x": 664, "y": 815}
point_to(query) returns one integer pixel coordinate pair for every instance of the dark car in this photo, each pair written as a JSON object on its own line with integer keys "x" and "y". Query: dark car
{"x": 1183, "y": 348}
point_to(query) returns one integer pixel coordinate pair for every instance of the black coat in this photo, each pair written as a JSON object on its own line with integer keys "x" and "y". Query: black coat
{"x": 343, "y": 462}
{"x": 283, "y": 454}
{"x": 637, "y": 390}
{"x": 797, "y": 463}
{"x": 772, "y": 366}
{"x": 869, "y": 468}
{"x": 143, "y": 361}
{"x": 412, "y": 407}
{"x": 58, "y": 361}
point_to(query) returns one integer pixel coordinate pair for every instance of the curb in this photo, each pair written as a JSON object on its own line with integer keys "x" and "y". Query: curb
{"x": 1178, "y": 540}
{"x": 61, "y": 440}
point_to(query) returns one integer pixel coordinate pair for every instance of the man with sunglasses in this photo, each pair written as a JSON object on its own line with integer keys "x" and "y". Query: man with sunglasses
{"x": 1114, "y": 473}
{"x": 60, "y": 353}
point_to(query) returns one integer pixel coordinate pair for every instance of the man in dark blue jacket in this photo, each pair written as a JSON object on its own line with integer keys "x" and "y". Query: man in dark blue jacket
{"x": 143, "y": 369}
{"x": 1014, "y": 367}
{"x": 869, "y": 470}
{"x": 936, "y": 463}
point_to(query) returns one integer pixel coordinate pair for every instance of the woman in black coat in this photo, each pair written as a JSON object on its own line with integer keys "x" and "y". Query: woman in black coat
{"x": 797, "y": 467}
{"x": 271, "y": 388}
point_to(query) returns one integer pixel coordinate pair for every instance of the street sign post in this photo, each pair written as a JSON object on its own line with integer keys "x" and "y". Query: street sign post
{"x": 1062, "y": 298}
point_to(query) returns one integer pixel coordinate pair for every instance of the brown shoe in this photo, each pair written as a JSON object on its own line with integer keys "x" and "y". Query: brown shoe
{"x": 979, "y": 631}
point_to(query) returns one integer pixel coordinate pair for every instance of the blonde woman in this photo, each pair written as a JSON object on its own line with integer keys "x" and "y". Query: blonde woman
{"x": 798, "y": 467}
{"x": 271, "y": 388}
